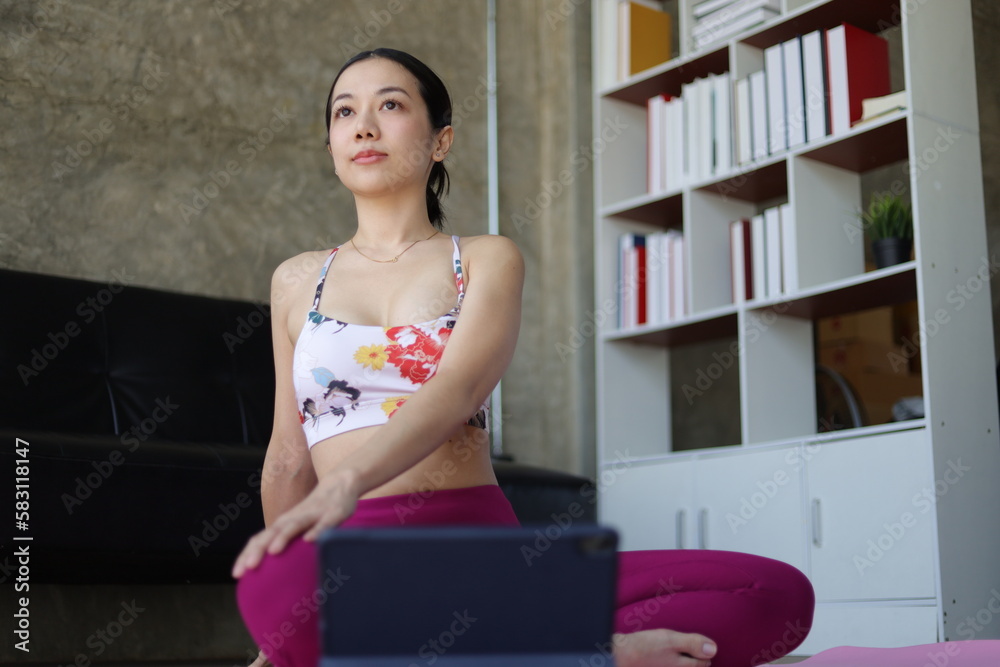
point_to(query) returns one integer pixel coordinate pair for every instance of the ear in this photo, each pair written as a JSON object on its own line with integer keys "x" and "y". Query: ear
{"x": 442, "y": 143}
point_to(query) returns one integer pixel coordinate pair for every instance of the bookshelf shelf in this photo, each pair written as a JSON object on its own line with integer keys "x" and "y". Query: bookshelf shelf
{"x": 701, "y": 327}
{"x": 727, "y": 394}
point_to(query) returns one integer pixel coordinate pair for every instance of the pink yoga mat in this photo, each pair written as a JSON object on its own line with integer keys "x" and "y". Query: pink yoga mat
{"x": 978, "y": 653}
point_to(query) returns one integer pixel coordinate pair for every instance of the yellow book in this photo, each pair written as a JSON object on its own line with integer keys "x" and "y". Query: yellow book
{"x": 644, "y": 35}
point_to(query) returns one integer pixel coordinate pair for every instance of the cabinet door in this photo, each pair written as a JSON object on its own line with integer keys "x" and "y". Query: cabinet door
{"x": 872, "y": 518}
{"x": 751, "y": 501}
{"x": 650, "y": 505}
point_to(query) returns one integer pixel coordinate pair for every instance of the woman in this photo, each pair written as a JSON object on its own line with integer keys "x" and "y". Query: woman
{"x": 370, "y": 406}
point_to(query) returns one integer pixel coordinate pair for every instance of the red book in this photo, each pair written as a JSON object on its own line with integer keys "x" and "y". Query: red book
{"x": 857, "y": 69}
{"x": 741, "y": 254}
{"x": 640, "y": 250}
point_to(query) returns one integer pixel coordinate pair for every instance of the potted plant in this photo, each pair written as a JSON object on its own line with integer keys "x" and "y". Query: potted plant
{"x": 889, "y": 222}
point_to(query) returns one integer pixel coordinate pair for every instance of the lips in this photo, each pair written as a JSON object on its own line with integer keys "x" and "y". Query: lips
{"x": 368, "y": 157}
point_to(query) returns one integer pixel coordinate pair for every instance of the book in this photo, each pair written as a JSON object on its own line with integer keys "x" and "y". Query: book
{"x": 815, "y": 85}
{"x": 758, "y": 115}
{"x": 643, "y": 38}
{"x": 795, "y": 99}
{"x": 857, "y": 69}
{"x": 708, "y": 6}
{"x": 744, "y": 132}
{"x": 745, "y": 22}
{"x": 656, "y": 145}
{"x": 789, "y": 252}
{"x": 732, "y": 12}
{"x": 741, "y": 260}
{"x": 723, "y": 128}
{"x": 692, "y": 129}
{"x": 758, "y": 249}
{"x": 876, "y": 107}
{"x": 772, "y": 255}
{"x": 774, "y": 69}
{"x": 706, "y": 129}
{"x": 678, "y": 302}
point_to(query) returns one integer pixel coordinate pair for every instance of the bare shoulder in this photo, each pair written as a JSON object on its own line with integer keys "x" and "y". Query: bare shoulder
{"x": 491, "y": 250}
{"x": 293, "y": 274}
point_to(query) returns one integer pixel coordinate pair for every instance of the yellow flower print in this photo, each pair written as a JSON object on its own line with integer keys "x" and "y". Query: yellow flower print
{"x": 390, "y": 405}
{"x": 371, "y": 356}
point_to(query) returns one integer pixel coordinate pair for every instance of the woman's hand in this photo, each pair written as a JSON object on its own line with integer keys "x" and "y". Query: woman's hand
{"x": 330, "y": 503}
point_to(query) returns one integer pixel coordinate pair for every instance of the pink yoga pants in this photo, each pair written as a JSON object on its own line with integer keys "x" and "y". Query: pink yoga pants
{"x": 756, "y": 609}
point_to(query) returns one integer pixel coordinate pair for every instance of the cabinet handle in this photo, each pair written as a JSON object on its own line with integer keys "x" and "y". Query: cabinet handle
{"x": 817, "y": 528}
{"x": 679, "y": 521}
{"x": 703, "y": 529}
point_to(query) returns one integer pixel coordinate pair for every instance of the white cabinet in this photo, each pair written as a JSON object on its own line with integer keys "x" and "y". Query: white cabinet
{"x": 873, "y": 526}
{"x": 740, "y": 501}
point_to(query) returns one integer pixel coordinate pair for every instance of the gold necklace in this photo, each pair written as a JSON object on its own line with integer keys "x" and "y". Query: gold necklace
{"x": 393, "y": 260}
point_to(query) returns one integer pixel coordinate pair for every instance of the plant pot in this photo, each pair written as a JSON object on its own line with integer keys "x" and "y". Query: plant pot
{"x": 889, "y": 252}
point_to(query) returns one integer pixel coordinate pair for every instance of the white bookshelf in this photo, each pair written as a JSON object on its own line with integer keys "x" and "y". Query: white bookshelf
{"x": 845, "y": 489}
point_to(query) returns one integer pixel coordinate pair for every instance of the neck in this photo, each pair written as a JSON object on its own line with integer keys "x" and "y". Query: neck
{"x": 387, "y": 222}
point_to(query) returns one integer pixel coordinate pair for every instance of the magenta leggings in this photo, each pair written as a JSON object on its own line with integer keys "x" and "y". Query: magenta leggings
{"x": 756, "y": 609}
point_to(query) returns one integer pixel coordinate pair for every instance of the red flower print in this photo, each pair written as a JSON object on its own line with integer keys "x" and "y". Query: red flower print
{"x": 416, "y": 352}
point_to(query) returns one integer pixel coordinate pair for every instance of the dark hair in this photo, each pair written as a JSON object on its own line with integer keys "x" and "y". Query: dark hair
{"x": 438, "y": 102}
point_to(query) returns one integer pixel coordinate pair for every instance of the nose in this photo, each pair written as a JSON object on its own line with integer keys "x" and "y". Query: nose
{"x": 366, "y": 126}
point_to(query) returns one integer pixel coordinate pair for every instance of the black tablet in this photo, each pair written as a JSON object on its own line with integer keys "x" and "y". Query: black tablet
{"x": 477, "y": 596}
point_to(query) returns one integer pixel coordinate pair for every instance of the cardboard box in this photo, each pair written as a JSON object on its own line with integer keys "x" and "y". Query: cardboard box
{"x": 875, "y": 325}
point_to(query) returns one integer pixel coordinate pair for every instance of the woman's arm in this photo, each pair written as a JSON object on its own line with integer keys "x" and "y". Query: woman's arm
{"x": 477, "y": 354}
{"x": 288, "y": 475}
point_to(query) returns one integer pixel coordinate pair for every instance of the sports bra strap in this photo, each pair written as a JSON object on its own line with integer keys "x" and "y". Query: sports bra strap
{"x": 322, "y": 279}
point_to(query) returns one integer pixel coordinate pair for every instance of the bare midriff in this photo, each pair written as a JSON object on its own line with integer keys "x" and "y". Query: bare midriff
{"x": 462, "y": 461}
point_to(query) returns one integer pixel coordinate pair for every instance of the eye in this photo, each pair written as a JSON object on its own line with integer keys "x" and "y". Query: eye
{"x": 392, "y": 105}
{"x": 338, "y": 112}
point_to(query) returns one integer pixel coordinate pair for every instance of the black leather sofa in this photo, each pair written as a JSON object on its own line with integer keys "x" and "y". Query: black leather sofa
{"x": 143, "y": 416}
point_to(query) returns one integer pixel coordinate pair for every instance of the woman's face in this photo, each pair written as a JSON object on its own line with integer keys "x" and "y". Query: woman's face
{"x": 381, "y": 137}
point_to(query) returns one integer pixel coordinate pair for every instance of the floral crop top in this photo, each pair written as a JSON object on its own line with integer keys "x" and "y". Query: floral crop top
{"x": 350, "y": 376}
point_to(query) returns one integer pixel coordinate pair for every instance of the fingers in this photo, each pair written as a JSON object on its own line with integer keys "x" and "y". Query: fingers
{"x": 697, "y": 646}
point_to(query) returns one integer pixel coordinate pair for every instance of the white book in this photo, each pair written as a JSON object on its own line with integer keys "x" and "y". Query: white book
{"x": 772, "y": 237}
{"x": 608, "y": 49}
{"x": 625, "y": 289}
{"x": 774, "y": 68}
{"x": 677, "y": 264}
{"x": 654, "y": 144}
{"x": 624, "y": 40}
{"x": 758, "y": 255}
{"x": 744, "y": 141}
{"x": 795, "y": 99}
{"x": 692, "y": 128}
{"x": 789, "y": 256}
{"x": 708, "y": 6}
{"x": 758, "y": 114}
{"x": 679, "y": 155}
{"x": 706, "y": 128}
{"x": 723, "y": 125}
{"x": 745, "y": 22}
{"x": 736, "y": 261}
{"x": 725, "y": 16}
{"x": 814, "y": 85}
{"x": 669, "y": 163}
{"x": 836, "y": 53}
